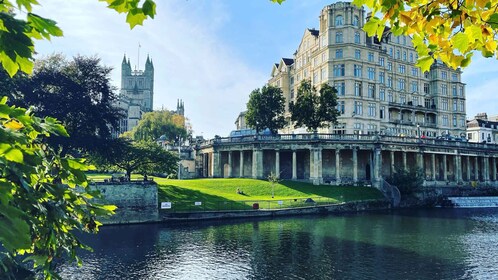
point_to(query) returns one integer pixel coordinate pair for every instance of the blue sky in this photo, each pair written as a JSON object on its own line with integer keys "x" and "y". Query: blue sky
{"x": 212, "y": 53}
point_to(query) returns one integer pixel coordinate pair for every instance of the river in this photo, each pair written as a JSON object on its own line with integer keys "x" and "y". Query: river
{"x": 404, "y": 244}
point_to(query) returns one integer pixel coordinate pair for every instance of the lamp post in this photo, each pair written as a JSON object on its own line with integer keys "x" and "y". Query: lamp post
{"x": 179, "y": 157}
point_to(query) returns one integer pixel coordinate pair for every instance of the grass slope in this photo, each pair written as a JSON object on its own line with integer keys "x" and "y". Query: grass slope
{"x": 222, "y": 193}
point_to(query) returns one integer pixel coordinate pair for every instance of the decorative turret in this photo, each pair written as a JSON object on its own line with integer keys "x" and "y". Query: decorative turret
{"x": 180, "y": 107}
{"x": 149, "y": 66}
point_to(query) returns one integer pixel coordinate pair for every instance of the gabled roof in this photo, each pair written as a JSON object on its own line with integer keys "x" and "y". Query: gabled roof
{"x": 314, "y": 32}
{"x": 288, "y": 61}
{"x": 482, "y": 123}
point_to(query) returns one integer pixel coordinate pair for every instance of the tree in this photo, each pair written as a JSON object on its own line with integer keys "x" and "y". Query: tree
{"x": 273, "y": 178}
{"x": 265, "y": 109}
{"x": 450, "y": 31}
{"x": 314, "y": 109}
{"x": 76, "y": 92}
{"x": 40, "y": 205}
{"x": 144, "y": 157}
{"x": 158, "y": 123}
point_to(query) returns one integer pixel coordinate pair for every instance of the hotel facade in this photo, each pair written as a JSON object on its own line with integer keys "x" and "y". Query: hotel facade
{"x": 379, "y": 87}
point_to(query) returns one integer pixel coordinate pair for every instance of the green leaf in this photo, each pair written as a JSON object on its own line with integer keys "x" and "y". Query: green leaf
{"x": 10, "y": 153}
{"x": 135, "y": 17}
{"x": 43, "y": 27}
{"x": 28, "y": 4}
{"x": 493, "y": 21}
{"x": 371, "y": 26}
{"x": 149, "y": 8}
{"x": 425, "y": 62}
{"x": 461, "y": 42}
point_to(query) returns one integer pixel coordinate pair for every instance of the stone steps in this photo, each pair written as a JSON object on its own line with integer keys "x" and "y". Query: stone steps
{"x": 471, "y": 202}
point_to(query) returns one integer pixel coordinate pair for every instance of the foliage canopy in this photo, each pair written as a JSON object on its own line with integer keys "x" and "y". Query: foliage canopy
{"x": 40, "y": 205}
{"x": 145, "y": 157}
{"x": 265, "y": 109}
{"x": 77, "y": 92}
{"x": 314, "y": 109}
{"x": 158, "y": 123}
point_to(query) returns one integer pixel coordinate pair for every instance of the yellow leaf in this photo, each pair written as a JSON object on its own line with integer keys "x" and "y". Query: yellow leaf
{"x": 13, "y": 124}
{"x": 481, "y": 3}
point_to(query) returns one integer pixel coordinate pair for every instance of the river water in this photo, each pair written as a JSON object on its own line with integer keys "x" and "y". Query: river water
{"x": 405, "y": 244}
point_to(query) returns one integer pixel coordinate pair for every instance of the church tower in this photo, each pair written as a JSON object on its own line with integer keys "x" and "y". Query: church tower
{"x": 137, "y": 92}
{"x": 180, "y": 107}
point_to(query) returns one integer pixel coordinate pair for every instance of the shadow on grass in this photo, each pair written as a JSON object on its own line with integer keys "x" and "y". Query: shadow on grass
{"x": 341, "y": 193}
{"x": 184, "y": 199}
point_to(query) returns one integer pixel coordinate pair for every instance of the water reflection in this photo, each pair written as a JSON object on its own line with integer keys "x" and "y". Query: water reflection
{"x": 425, "y": 244}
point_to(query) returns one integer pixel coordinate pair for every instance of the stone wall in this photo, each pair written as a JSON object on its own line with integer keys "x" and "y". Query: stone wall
{"x": 137, "y": 201}
{"x": 329, "y": 209}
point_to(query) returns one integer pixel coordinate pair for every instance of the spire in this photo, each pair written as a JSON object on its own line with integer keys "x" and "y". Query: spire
{"x": 124, "y": 59}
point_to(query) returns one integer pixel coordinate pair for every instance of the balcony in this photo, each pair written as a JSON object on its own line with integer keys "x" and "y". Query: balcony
{"x": 409, "y": 106}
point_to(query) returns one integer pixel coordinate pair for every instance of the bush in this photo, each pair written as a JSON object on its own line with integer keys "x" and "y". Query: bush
{"x": 407, "y": 181}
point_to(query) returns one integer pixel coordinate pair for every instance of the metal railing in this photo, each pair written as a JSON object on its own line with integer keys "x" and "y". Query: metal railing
{"x": 345, "y": 138}
{"x": 244, "y": 205}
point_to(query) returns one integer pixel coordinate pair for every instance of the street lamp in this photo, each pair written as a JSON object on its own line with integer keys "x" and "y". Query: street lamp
{"x": 179, "y": 157}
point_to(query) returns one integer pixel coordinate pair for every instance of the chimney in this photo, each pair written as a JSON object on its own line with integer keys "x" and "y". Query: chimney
{"x": 481, "y": 116}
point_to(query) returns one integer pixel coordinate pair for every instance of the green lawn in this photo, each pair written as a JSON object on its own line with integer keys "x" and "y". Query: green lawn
{"x": 221, "y": 194}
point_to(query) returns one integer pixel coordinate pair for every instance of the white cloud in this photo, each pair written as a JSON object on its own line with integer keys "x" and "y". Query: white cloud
{"x": 191, "y": 62}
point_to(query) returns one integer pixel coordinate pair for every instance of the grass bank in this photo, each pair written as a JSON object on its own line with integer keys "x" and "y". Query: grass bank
{"x": 221, "y": 194}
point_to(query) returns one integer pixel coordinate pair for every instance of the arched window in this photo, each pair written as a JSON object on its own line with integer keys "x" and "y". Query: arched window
{"x": 356, "y": 21}
{"x": 339, "y": 20}
{"x": 357, "y": 37}
{"x": 338, "y": 37}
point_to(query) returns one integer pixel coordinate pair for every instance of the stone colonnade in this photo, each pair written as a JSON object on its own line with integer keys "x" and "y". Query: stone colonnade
{"x": 348, "y": 164}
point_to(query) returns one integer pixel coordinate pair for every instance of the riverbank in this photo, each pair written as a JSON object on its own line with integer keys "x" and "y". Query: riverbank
{"x": 345, "y": 207}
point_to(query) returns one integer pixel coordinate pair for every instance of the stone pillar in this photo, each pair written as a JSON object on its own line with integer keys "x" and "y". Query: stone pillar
{"x": 257, "y": 163}
{"x": 392, "y": 163}
{"x": 486, "y": 168}
{"x": 294, "y": 165}
{"x": 469, "y": 177}
{"x": 229, "y": 164}
{"x": 476, "y": 169}
{"x": 316, "y": 165}
{"x": 458, "y": 168}
{"x": 355, "y": 165}
{"x": 445, "y": 168}
{"x": 377, "y": 172}
{"x": 420, "y": 162}
{"x": 493, "y": 169}
{"x": 216, "y": 165}
{"x": 433, "y": 166}
{"x": 277, "y": 163}
{"x": 241, "y": 172}
{"x": 405, "y": 166}
{"x": 338, "y": 166}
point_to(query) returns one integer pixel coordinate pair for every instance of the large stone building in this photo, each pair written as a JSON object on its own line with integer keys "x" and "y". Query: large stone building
{"x": 137, "y": 93}
{"x": 379, "y": 87}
